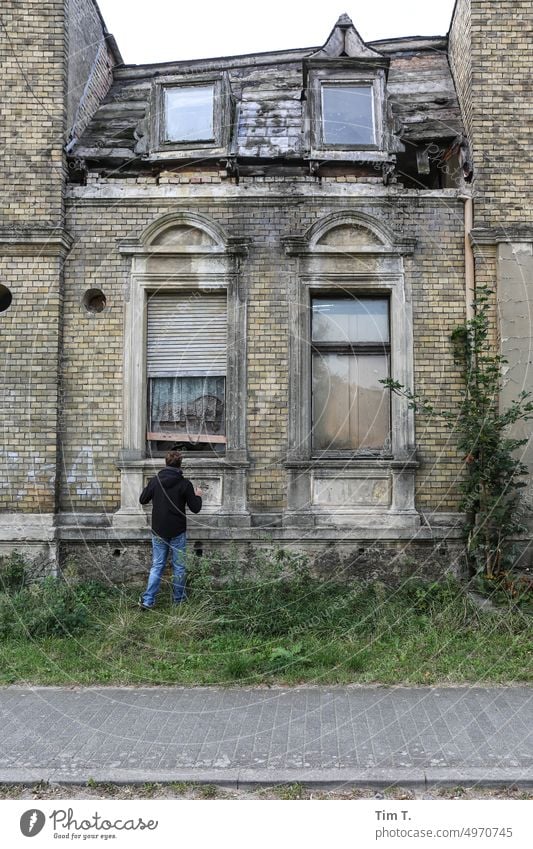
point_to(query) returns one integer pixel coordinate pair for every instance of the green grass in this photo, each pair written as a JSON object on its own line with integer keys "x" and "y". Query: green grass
{"x": 279, "y": 628}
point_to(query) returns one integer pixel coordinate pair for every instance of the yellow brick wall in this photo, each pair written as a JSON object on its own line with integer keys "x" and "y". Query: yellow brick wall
{"x": 32, "y": 76}
{"x": 436, "y": 273}
{"x": 91, "y": 422}
{"x": 491, "y": 40}
{"x": 460, "y": 58}
{"x": 502, "y": 33}
{"x": 32, "y": 65}
{"x": 29, "y": 343}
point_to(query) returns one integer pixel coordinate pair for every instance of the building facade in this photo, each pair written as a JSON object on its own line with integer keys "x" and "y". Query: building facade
{"x": 230, "y": 255}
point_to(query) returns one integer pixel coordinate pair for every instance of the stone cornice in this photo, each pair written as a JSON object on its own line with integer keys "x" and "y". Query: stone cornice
{"x": 38, "y": 241}
{"x": 298, "y": 246}
{"x": 233, "y": 247}
{"x": 502, "y": 233}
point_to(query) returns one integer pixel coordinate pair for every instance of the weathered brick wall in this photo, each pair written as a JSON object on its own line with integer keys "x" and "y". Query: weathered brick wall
{"x": 32, "y": 67}
{"x": 498, "y": 109}
{"x": 93, "y": 355}
{"x": 437, "y": 273}
{"x": 461, "y": 61}
{"x": 32, "y": 74}
{"x": 29, "y": 342}
{"x": 502, "y": 34}
{"x": 91, "y": 408}
{"x": 89, "y": 64}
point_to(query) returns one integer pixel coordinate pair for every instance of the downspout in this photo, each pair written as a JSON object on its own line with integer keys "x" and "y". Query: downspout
{"x": 470, "y": 294}
{"x": 470, "y": 278}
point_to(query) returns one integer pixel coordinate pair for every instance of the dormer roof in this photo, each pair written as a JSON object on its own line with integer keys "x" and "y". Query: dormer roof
{"x": 344, "y": 40}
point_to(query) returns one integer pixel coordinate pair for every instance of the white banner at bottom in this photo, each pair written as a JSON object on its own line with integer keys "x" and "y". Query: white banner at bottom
{"x": 264, "y": 824}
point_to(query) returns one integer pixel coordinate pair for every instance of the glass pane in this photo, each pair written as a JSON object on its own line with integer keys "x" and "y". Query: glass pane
{"x": 187, "y": 405}
{"x": 350, "y": 320}
{"x": 189, "y": 113}
{"x": 347, "y": 114}
{"x": 351, "y": 409}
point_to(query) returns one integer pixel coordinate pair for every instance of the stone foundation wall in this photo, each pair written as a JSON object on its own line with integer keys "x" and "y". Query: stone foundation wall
{"x": 129, "y": 562}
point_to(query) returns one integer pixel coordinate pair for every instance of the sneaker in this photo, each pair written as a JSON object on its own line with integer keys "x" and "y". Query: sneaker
{"x": 143, "y": 606}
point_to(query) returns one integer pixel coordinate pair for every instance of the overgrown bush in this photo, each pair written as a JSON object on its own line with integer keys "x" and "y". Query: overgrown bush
{"x": 50, "y": 607}
{"x": 491, "y": 489}
{"x": 12, "y": 572}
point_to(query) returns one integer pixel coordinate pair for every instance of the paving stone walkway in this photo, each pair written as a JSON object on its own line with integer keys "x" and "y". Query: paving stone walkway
{"x": 327, "y": 735}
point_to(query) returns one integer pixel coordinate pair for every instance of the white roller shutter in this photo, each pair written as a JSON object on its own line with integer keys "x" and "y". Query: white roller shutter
{"x": 186, "y": 334}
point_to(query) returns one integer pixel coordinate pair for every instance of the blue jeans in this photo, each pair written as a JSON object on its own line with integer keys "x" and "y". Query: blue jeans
{"x": 160, "y": 552}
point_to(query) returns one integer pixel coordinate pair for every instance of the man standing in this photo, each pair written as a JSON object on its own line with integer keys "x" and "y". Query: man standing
{"x": 170, "y": 492}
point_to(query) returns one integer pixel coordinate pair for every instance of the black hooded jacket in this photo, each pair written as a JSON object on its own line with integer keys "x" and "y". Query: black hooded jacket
{"x": 170, "y": 492}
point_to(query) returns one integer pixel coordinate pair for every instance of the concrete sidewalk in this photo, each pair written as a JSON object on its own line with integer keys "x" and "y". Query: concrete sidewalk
{"x": 374, "y": 736}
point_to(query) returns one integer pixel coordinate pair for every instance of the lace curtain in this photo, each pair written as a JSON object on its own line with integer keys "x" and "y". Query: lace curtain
{"x": 187, "y": 404}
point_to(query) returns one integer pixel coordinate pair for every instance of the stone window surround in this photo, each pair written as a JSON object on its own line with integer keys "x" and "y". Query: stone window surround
{"x": 162, "y": 148}
{"x": 312, "y": 274}
{"x": 212, "y": 266}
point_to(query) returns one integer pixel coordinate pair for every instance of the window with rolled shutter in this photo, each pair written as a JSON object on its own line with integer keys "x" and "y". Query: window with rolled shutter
{"x": 186, "y": 368}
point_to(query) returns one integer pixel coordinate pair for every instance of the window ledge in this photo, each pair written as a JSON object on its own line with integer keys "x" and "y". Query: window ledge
{"x": 351, "y": 154}
{"x": 352, "y": 462}
{"x": 178, "y": 150}
{"x": 147, "y": 465}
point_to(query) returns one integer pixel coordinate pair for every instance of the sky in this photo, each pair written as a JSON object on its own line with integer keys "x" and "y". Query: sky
{"x": 170, "y": 30}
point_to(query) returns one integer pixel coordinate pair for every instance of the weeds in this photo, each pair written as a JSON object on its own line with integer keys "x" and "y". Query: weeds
{"x": 284, "y": 626}
{"x": 50, "y": 607}
{"x": 492, "y": 504}
{"x": 208, "y": 791}
{"x": 12, "y": 573}
{"x": 288, "y": 791}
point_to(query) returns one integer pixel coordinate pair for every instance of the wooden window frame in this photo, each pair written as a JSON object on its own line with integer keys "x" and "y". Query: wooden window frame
{"x": 336, "y": 72}
{"x": 223, "y": 118}
{"x": 370, "y": 84}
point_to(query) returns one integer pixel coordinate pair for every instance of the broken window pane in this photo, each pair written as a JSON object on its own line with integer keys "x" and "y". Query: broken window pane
{"x": 347, "y": 115}
{"x": 189, "y": 113}
{"x": 351, "y": 408}
{"x": 348, "y": 320}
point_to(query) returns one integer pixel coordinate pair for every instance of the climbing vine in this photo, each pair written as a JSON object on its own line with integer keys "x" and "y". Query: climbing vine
{"x": 491, "y": 490}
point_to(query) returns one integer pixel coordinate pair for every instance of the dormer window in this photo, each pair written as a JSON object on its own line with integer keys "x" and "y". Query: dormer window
{"x": 347, "y": 115}
{"x": 344, "y": 86}
{"x": 189, "y": 113}
{"x": 345, "y": 110}
{"x": 191, "y": 117}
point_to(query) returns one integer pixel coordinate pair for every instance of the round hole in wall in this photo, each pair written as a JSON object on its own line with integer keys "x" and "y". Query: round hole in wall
{"x": 94, "y": 300}
{"x": 5, "y": 298}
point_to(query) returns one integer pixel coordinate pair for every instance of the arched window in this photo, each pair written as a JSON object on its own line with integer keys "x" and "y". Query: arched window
{"x": 350, "y": 441}
{"x": 184, "y": 370}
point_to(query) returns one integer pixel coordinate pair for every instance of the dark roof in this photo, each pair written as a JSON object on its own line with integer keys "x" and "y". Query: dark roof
{"x": 268, "y": 88}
